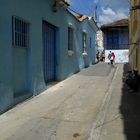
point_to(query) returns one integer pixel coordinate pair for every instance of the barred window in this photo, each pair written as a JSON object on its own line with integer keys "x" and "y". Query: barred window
{"x": 70, "y": 38}
{"x": 20, "y": 32}
{"x": 84, "y": 42}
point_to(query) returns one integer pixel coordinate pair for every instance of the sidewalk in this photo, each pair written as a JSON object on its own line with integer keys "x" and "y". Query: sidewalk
{"x": 122, "y": 121}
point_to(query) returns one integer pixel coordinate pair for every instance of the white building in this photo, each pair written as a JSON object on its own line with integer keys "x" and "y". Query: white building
{"x": 99, "y": 41}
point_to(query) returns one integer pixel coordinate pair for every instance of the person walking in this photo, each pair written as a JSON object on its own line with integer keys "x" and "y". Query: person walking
{"x": 109, "y": 56}
{"x": 103, "y": 56}
{"x": 112, "y": 58}
{"x": 97, "y": 56}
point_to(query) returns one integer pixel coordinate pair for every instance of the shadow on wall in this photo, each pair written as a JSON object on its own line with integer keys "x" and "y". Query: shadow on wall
{"x": 130, "y": 110}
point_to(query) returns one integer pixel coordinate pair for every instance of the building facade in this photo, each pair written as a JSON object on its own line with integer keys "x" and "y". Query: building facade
{"x": 116, "y": 38}
{"x": 41, "y": 42}
{"x": 134, "y": 36}
{"x": 99, "y": 41}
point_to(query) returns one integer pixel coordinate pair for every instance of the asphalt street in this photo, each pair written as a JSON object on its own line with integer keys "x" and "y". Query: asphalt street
{"x": 85, "y": 106}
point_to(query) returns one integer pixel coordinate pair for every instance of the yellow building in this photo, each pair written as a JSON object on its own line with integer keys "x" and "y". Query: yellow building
{"x": 134, "y": 36}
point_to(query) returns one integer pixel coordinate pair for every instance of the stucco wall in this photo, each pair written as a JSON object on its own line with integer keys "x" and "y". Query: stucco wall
{"x": 121, "y": 56}
{"x": 20, "y": 65}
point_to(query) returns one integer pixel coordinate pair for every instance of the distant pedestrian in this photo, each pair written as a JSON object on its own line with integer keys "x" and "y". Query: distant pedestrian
{"x": 102, "y": 58}
{"x": 109, "y": 56}
{"x": 97, "y": 56}
{"x": 112, "y": 58}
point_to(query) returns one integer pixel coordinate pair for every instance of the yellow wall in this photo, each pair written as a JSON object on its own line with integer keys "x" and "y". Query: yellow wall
{"x": 134, "y": 36}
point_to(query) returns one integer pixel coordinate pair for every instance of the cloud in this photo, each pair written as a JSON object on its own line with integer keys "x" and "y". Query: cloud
{"x": 121, "y": 3}
{"x": 69, "y": 1}
{"x": 96, "y": 1}
{"x": 108, "y": 11}
{"x": 108, "y": 15}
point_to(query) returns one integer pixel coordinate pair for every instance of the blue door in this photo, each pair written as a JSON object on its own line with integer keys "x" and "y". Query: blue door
{"x": 49, "y": 39}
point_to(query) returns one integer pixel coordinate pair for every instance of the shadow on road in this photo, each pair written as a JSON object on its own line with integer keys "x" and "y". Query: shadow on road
{"x": 100, "y": 69}
{"x": 130, "y": 110}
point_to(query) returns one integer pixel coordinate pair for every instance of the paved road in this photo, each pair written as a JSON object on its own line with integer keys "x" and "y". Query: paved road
{"x": 74, "y": 109}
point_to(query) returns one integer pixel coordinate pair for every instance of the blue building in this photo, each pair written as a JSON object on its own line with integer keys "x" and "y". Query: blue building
{"x": 41, "y": 41}
{"x": 116, "y": 38}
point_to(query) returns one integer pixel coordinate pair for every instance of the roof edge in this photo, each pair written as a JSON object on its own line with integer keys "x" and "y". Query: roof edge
{"x": 118, "y": 23}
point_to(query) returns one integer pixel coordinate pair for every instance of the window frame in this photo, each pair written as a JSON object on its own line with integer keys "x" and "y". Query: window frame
{"x": 70, "y": 38}
{"x": 90, "y": 42}
{"x": 20, "y": 32}
{"x": 84, "y": 42}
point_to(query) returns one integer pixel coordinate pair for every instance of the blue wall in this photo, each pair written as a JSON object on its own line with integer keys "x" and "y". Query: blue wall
{"x": 21, "y": 71}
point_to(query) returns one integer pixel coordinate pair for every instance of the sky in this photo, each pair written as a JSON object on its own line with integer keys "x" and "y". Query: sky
{"x": 107, "y": 10}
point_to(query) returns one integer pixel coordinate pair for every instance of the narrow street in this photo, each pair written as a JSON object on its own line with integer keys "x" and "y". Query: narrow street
{"x": 93, "y": 104}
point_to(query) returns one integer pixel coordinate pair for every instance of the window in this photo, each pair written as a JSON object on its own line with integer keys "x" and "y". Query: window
{"x": 84, "y": 42}
{"x": 112, "y": 39}
{"x": 70, "y": 38}
{"x": 20, "y": 32}
{"x": 90, "y": 42}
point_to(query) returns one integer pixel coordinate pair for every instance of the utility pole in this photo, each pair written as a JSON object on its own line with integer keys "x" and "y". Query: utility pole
{"x": 93, "y": 10}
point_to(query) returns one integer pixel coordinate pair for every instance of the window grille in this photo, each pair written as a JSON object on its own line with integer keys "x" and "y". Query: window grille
{"x": 20, "y": 32}
{"x": 70, "y": 38}
{"x": 84, "y": 42}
